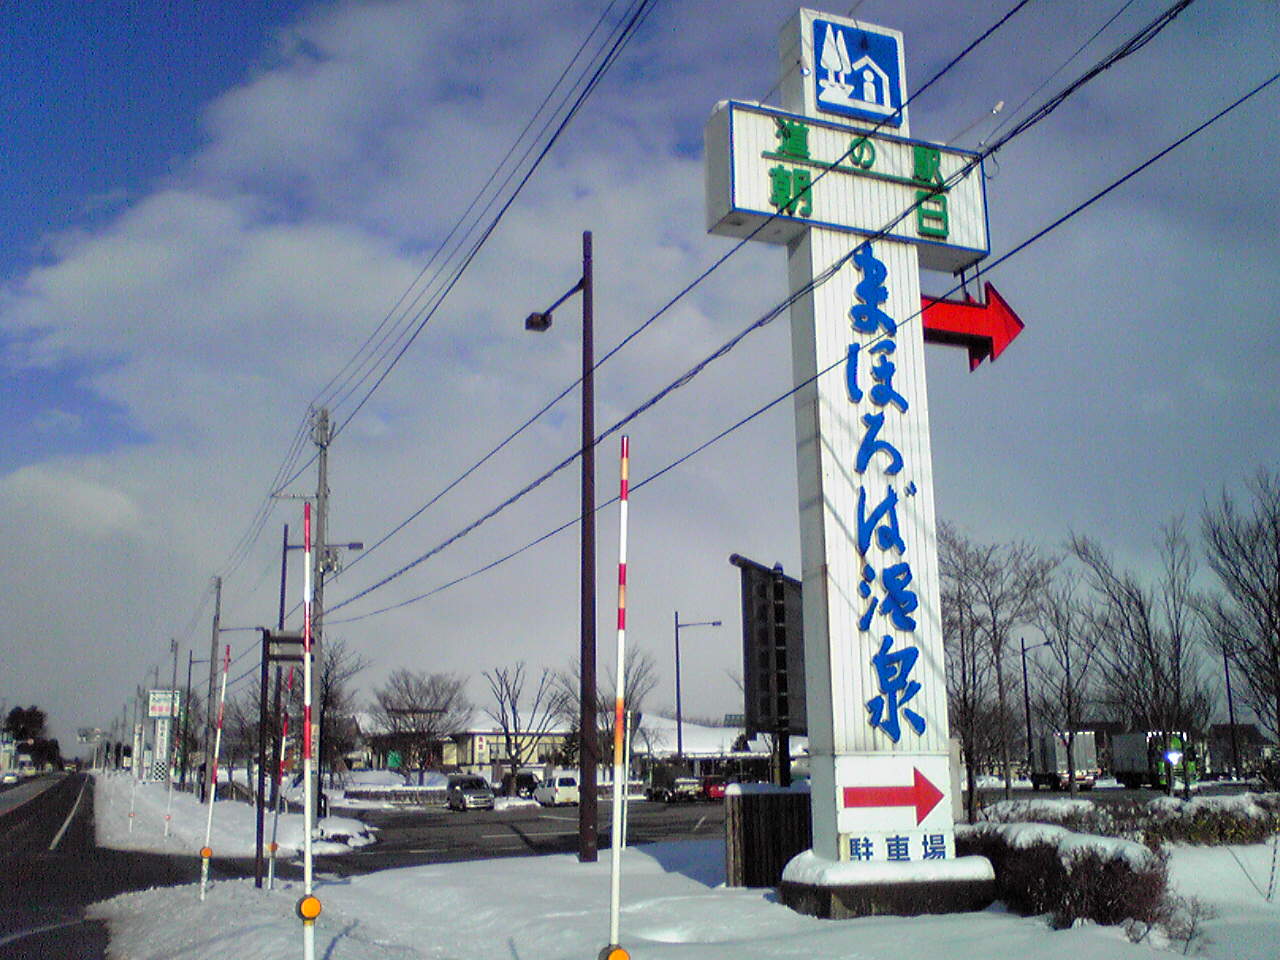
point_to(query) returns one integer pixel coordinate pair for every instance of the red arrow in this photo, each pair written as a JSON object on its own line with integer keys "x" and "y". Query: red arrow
{"x": 922, "y": 795}
{"x": 984, "y": 328}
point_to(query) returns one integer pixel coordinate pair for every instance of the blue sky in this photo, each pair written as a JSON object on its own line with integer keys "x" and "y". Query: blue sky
{"x": 99, "y": 101}
{"x": 207, "y": 213}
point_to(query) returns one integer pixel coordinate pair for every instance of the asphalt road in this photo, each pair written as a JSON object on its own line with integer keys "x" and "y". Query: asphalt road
{"x": 50, "y": 870}
{"x": 413, "y": 837}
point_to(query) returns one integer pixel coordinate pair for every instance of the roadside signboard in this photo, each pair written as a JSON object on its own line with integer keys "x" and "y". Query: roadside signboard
{"x": 862, "y": 207}
{"x": 162, "y": 704}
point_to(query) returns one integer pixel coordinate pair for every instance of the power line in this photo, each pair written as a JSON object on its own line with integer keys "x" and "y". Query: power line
{"x": 1008, "y": 118}
{"x": 463, "y": 219}
{"x": 785, "y": 395}
{"x": 642, "y": 10}
{"x": 342, "y": 379}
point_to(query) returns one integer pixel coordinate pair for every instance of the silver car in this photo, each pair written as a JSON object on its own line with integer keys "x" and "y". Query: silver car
{"x": 469, "y": 792}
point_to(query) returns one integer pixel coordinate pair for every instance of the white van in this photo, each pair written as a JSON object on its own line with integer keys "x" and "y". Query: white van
{"x": 557, "y": 789}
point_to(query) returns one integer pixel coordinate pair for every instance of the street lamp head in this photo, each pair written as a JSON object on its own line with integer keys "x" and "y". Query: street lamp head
{"x": 715, "y": 623}
{"x": 538, "y": 322}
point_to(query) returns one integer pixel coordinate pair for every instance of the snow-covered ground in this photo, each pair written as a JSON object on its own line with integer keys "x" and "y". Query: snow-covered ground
{"x": 675, "y": 905}
{"x": 117, "y": 800}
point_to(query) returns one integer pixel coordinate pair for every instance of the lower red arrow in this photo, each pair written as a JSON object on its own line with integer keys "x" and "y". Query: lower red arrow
{"x": 984, "y": 328}
{"x": 922, "y": 795}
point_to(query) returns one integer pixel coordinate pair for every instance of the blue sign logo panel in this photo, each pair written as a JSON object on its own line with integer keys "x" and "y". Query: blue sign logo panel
{"x": 856, "y": 73}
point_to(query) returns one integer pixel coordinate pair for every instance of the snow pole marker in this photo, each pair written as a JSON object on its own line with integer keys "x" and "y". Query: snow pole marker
{"x": 613, "y": 951}
{"x": 309, "y": 905}
{"x": 206, "y": 852}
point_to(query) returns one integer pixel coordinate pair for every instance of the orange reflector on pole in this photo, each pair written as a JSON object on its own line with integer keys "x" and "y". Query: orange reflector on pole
{"x": 309, "y": 908}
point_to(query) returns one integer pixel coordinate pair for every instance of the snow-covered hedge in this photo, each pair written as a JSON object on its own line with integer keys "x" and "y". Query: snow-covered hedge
{"x": 1042, "y": 868}
{"x": 1246, "y": 818}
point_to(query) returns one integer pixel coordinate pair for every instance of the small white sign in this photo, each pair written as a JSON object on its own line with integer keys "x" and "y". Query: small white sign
{"x": 772, "y": 175}
{"x": 162, "y": 703}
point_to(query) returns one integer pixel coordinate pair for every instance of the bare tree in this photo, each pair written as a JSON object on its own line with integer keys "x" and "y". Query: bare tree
{"x": 1243, "y": 548}
{"x": 1149, "y": 637}
{"x": 524, "y": 721}
{"x": 240, "y": 730}
{"x": 1000, "y": 585}
{"x": 640, "y": 676}
{"x": 339, "y": 665}
{"x": 969, "y": 669}
{"x": 1072, "y": 641}
{"x": 420, "y": 710}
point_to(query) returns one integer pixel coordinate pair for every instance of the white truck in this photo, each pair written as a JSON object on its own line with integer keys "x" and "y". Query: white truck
{"x": 1049, "y": 765}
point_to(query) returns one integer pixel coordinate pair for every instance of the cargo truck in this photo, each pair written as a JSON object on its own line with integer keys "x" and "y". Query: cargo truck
{"x": 1049, "y": 765}
{"x": 1139, "y": 759}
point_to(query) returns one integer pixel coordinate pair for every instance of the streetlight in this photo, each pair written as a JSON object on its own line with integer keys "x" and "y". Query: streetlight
{"x": 679, "y": 716}
{"x": 589, "y": 745}
{"x": 1026, "y": 697}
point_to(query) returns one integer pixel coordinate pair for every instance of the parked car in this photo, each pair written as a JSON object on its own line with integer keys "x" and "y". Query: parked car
{"x": 468, "y": 792}
{"x": 713, "y": 788}
{"x": 557, "y": 789}
{"x": 9, "y": 776}
{"x": 669, "y": 782}
{"x": 520, "y": 784}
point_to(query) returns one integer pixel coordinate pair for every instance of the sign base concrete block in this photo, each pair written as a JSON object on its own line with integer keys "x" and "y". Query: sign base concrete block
{"x": 839, "y": 891}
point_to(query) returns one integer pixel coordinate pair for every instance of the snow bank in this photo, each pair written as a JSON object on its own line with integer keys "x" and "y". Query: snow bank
{"x": 373, "y": 778}
{"x": 674, "y": 907}
{"x": 756, "y": 789}
{"x": 118, "y": 800}
{"x": 1068, "y": 843}
{"x": 1052, "y": 810}
{"x": 1243, "y": 805}
{"x": 809, "y": 868}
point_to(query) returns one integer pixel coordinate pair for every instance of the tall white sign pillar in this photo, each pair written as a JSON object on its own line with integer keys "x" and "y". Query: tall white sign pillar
{"x": 835, "y": 176}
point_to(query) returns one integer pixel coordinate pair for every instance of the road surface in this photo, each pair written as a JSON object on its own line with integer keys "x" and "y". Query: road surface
{"x": 50, "y": 870}
{"x": 418, "y": 836}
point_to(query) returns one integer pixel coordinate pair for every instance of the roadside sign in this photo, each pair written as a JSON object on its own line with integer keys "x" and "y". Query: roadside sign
{"x": 162, "y": 703}
{"x": 284, "y": 647}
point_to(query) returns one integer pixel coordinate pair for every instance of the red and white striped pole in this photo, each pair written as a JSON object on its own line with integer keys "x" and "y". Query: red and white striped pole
{"x": 308, "y": 906}
{"x": 207, "y": 851}
{"x": 614, "y": 951}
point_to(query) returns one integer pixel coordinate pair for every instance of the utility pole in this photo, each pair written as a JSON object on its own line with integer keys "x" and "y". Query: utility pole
{"x": 213, "y": 669}
{"x": 589, "y": 751}
{"x": 321, "y": 435}
{"x": 186, "y": 723}
{"x": 277, "y": 732}
{"x": 136, "y": 733}
{"x": 171, "y": 735}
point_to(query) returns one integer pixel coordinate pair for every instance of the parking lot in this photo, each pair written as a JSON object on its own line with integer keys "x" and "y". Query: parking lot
{"x": 412, "y": 836}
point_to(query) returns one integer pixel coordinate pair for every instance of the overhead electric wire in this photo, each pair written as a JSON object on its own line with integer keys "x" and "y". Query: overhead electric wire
{"x": 283, "y": 475}
{"x": 688, "y": 288}
{"x": 1079, "y": 208}
{"x": 771, "y": 315}
{"x": 1010, "y": 115}
{"x": 623, "y": 36}
{"x": 642, "y": 10}
{"x": 475, "y": 200}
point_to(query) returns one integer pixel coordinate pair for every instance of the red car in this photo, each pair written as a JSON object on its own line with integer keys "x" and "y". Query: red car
{"x": 713, "y": 788}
